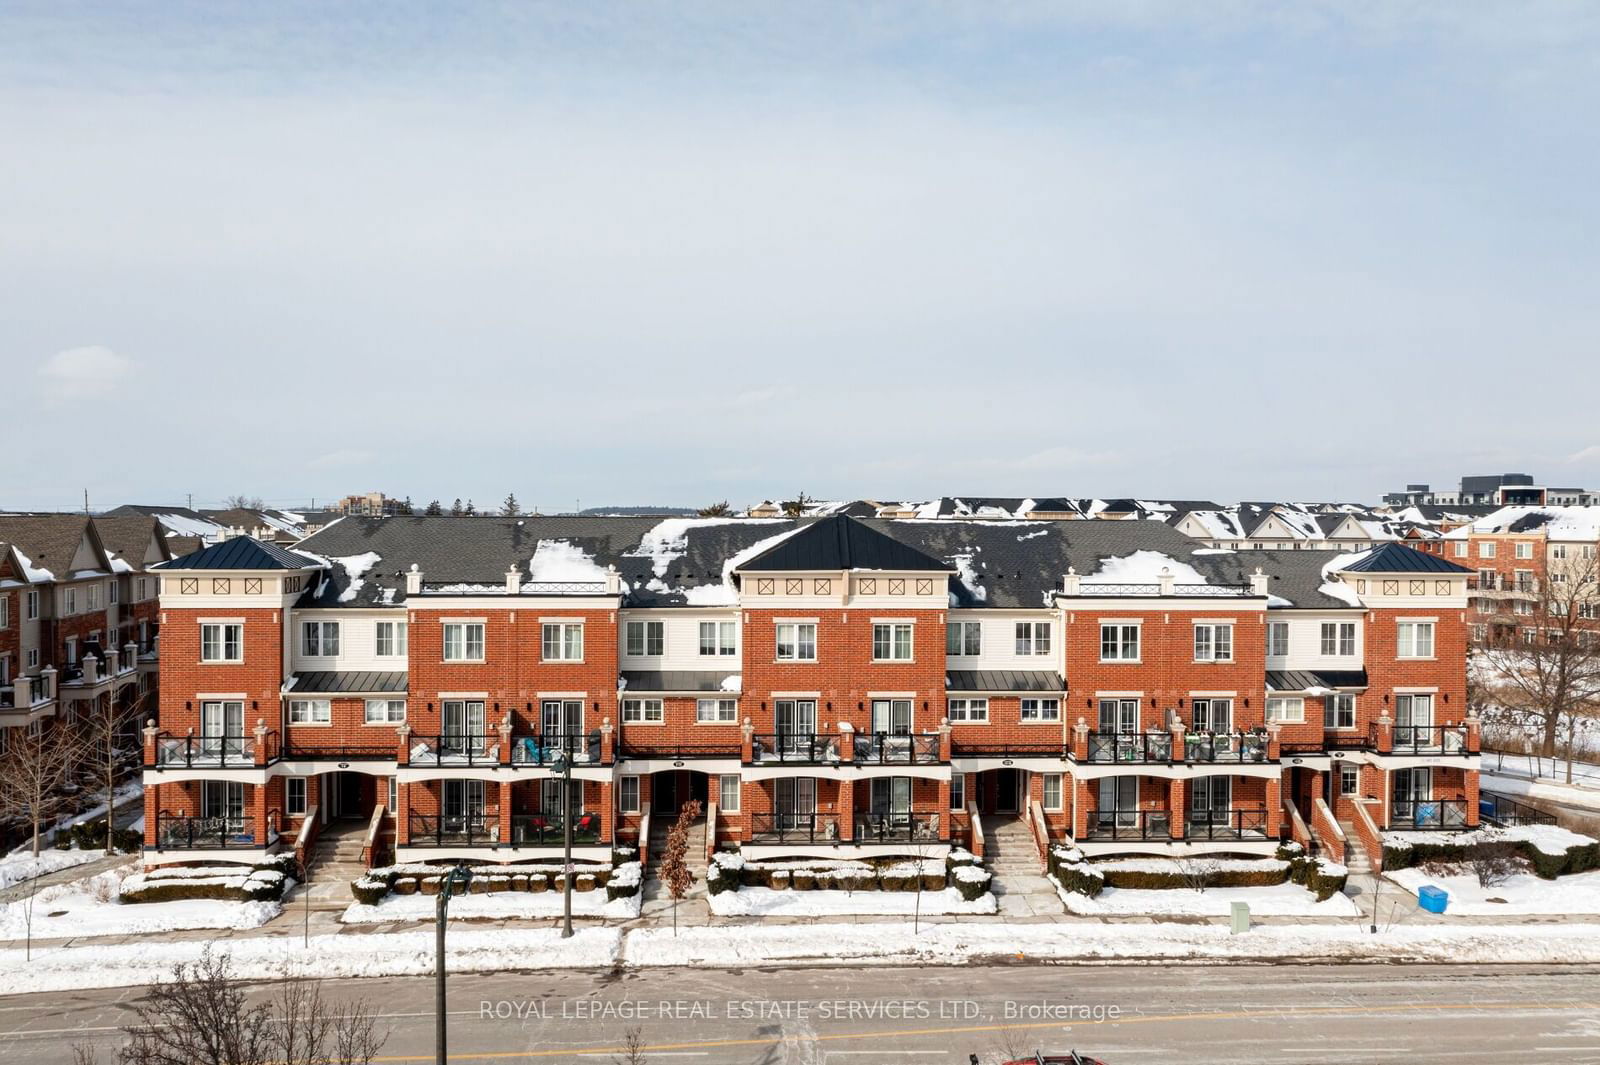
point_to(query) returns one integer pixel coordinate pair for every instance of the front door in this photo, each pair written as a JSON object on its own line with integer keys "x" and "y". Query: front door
{"x": 1413, "y": 716}
{"x": 796, "y": 800}
{"x": 223, "y": 802}
{"x": 344, "y": 795}
{"x": 664, "y": 800}
{"x": 1209, "y": 800}
{"x": 797, "y": 723}
{"x": 222, "y": 728}
{"x": 1007, "y": 784}
{"x": 1410, "y": 787}
{"x": 1119, "y": 801}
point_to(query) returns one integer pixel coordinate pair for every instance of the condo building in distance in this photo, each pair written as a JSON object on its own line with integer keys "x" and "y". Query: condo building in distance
{"x": 831, "y": 685}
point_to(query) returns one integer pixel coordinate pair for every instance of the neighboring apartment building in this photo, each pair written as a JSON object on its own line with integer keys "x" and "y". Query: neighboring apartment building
{"x": 1528, "y": 562}
{"x": 78, "y": 619}
{"x": 369, "y": 504}
{"x": 824, "y": 686}
{"x": 1498, "y": 490}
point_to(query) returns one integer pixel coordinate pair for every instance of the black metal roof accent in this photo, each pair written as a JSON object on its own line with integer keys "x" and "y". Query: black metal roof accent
{"x": 1299, "y": 680}
{"x": 242, "y": 552}
{"x": 841, "y": 543}
{"x": 1004, "y": 680}
{"x": 329, "y": 682}
{"x": 677, "y": 680}
{"x": 1396, "y": 558}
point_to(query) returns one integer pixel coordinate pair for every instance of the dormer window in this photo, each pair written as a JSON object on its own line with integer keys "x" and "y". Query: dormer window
{"x": 319, "y": 639}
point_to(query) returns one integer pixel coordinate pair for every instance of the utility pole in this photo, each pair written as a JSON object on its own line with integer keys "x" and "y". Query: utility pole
{"x": 191, "y": 500}
{"x": 455, "y": 882}
{"x": 563, "y": 765}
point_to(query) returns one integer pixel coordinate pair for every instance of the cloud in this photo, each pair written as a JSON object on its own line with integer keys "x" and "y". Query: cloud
{"x": 77, "y": 373}
{"x": 340, "y": 459}
{"x": 1588, "y": 454}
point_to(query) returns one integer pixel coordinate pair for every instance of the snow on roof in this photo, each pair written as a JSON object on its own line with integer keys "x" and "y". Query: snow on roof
{"x": 34, "y": 574}
{"x": 1143, "y": 567}
{"x": 724, "y": 594}
{"x": 184, "y": 525}
{"x": 968, "y": 576}
{"x": 356, "y": 567}
{"x": 561, "y": 561}
{"x": 669, "y": 539}
{"x": 1335, "y": 588}
{"x": 1558, "y": 523}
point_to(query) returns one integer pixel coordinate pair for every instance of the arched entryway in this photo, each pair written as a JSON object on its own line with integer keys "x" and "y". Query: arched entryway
{"x": 670, "y": 789}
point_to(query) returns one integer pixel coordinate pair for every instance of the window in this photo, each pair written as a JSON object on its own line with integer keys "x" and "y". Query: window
{"x": 1522, "y": 606}
{"x": 563, "y": 641}
{"x": 33, "y": 658}
{"x": 716, "y": 711}
{"x": 71, "y": 601}
{"x": 1339, "y": 711}
{"x": 891, "y": 642}
{"x": 1558, "y": 551}
{"x": 1052, "y": 791}
{"x": 1277, "y": 638}
{"x": 958, "y": 791}
{"x": 394, "y": 794}
{"x": 72, "y": 650}
{"x": 717, "y": 638}
{"x": 963, "y": 638}
{"x": 31, "y": 611}
{"x": 392, "y": 639}
{"x": 1414, "y": 639}
{"x": 91, "y": 595}
{"x": 309, "y": 712}
{"x": 1486, "y": 548}
{"x": 797, "y": 641}
{"x": 629, "y": 795}
{"x": 5, "y": 612}
{"x": 1033, "y": 637}
{"x": 1286, "y": 708}
{"x": 111, "y": 592}
{"x": 642, "y": 710}
{"x": 643, "y": 638}
{"x": 728, "y": 793}
{"x": 294, "y": 796}
{"x": 319, "y": 639}
{"x": 969, "y": 710}
{"x": 1524, "y": 549}
{"x": 385, "y": 711}
{"x": 1349, "y": 780}
{"x": 1338, "y": 638}
{"x": 1213, "y": 643}
{"x": 1119, "y": 643}
{"x": 1213, "y": 715}
{"x": 463, "y": 641}
{"x": 221, "y": 642}
{"x": 1461, "y": 549}
{"x": 1041, "y": 710}
{"x": 143, "y": 586}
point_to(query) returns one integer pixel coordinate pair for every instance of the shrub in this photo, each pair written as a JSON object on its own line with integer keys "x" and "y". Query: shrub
{"x": 1080, "y": 877}
{"x": 624, "y": 881}
{"x": 538, "y": 882}
{"x": 799, "y": 879}
{"x": 959, "y": 856}
{"x": 584, "y": 882}
{"x": 935, "y": 881}
{"x": 971, "y": 881}
{"x": 1198, "y": 876}
{"x": 369, "y": 891}
{"x": 227, "y": 883}
{"x": 91, "y": 836}
{"x": 898, "y": 880}
{"x": 725, "y": 872}
{"x": 429, "y": 885}
{"x": 1288, "y": 851}
{"x": 405, "y": 885}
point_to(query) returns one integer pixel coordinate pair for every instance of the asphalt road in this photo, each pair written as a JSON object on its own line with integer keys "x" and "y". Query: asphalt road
{"x": 1123, "y": 1014}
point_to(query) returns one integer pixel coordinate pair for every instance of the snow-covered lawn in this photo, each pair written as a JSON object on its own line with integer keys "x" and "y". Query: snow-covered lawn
{"x": 21, "y": 865}
{"x": 1583, "y": 792}
{"x": 1548, "y": 839}
{"x": 1523, "y": 893}
{"x": 767, "y": 902}
{"x": 495, "y": 904}
{"x": 1276, "y": 900}
{"x": 89, "y": 907}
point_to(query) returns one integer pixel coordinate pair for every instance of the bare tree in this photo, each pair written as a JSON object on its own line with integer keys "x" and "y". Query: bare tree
{"x": 796, "y": 507}
{"x": 103, "y": 733}
{"x": 675, "y": 857}
{"x": 632, "y": 1049}
{"x": 1494, "y": 861}
{"x": 38, "y": 773}
{"x": 1545, "y": 675}
{"x": 243, "y": 502}
{"x": 1195, "y": 873}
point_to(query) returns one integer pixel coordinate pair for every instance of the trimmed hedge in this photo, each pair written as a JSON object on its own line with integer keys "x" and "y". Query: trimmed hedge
{"x": 1313, "y": 874}
{"x": 1576, "y": 859}
{"x": 1214, "y": 878}
{"x": 624, "y": 881}
{"x": 1081, "y": 877}
{"x": 726, "y": 872}
{"x": 265, "y": 881}
{"x": 374, "y": 886}
{"x": 91, "y": 836}
{"x": 971, "y": 881}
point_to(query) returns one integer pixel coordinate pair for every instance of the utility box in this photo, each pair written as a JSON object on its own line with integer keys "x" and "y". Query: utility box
{"x": 1433, "y": 899}
{"x": 1241, "y": 918}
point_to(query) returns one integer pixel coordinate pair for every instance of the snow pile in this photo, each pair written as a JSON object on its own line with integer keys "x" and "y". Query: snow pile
{"x": 733, "y": 682}
{"x": 767, "y": 902}
{"x": 667, "y": 541}
{"x": 90, "y": 907}
{"x": 355, "y": 568}
{"x": 1523, "y": 893}
{"x": 1335, "y": 588}
{"x": 20, "y": 865}
{"x": 1276, "y": 900}
{"x": 560, "y": 562}
{"x": 725, "y": 594}
{"x": 968, "y": 576}
{"x": 1143, "y": 567}
{"x": 33, "y": 574}
{"x": 494, "y": 905}
{"x": 1168, "y": 866}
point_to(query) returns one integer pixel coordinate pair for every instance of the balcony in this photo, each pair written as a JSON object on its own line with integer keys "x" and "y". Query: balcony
{"x": 794, "y": 828}
{"x": 206, "y": 752}
{"x": 1240, "y": 824}
{"x": 1510, "y": 813}
{"x": 1010, "y": 750}
{"x": 1427, "y": 739}
{"x": 338, "y": 752}
{"x": 679, "y": 752}
{"x": 1131, "y": 825}
{"x": 1225, "y": 747}
{"x": 1500, "y": 586}
{"x": 211, "y": 833}
{"x": 895, "y": 748}
{"x": 453, "y": 830}
{"x": 582, "y": 748}
{"x": 896, "y": 828}
{"x": 539, "y": 830}
{"x": 455, "y": 749}
{"x": 1130, "y": 747}
{"x": 1427, "y": 815}
{"x": 801, "y": 748}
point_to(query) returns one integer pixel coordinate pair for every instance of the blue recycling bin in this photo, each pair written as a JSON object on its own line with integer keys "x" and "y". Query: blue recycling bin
{"x": 1432, "y": 899}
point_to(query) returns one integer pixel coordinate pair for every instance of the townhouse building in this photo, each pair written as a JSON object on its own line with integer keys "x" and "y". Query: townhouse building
{"x": 468, "y": 688}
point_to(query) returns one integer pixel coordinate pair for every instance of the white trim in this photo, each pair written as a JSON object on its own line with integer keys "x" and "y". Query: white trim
{"x": 461, "y": 695}
{"x": 561, "y": 695}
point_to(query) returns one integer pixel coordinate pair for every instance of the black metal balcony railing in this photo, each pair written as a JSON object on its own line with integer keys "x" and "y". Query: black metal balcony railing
{"x": 453, "y": 830}
{"x": 793, "y": 828}
{"x": 204, "y": 833}
{"x": 1010, "y": 750}
{"x": 896, "y": 748}
{"x": 1237, "y": 747}
{"x": 582, "y": 748}
{"x": 1508, "y": 812}
{"x": 896, "y": 828}
{"x": 1428, "y": 739}
{"x": 1131, "y": 824}
{"x": 1502, "y": 583}
{"x": 540, "y": 830}
{"x": 1422, "y": 815}
{"x": 1226, "y": 824}
{"x": 455, "y": 749}
{"x": 1130, "y": 747}
{"x": 339, "y": 752}
{"x": 795, "y": 747}
{"x": 210, "y": 752}
{"x": 680, "y": 752}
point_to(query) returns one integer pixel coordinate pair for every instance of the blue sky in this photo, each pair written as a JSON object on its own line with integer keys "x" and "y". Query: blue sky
{"x": 675, "y": 253}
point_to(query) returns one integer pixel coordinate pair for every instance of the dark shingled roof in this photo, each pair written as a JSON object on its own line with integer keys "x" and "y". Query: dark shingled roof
{"x": 241, "y": 553}
{"x": 1396, "y": 558}
{"x": 1299, "y": 680}
{"x": 48, "y": 540}
{"x": 332, "y": 683}
{"x": 678, "y": 680}
{"x": 1003, "y": 680}
{"x": 841, "y": 543}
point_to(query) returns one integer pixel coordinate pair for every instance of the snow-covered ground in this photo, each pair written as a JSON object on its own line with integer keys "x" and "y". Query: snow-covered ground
{"x": 1548, "y": 839}
{"x": 89, "y": 907}
{"x": 1276, "y": 900}
{"x": 497, "y": 904}
{"x": 1583, "y": 792}
{"x": 767, "y": 902}
{"x": 1522, "y": 894}
{"x": 21, "y": 865}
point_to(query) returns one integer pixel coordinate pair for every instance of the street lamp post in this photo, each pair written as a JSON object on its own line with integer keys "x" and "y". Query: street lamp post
{"x": 563, "y": 765}
{"x": 455, "y": 882}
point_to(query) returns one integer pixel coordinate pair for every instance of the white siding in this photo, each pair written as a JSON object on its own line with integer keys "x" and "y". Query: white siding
{"x": 1305, "y": 641}
{"x": 680, "y": 640}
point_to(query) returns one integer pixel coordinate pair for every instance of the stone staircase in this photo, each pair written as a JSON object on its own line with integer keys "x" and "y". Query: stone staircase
{"x": 1008, "y": 849}
{"x": 695, "y": 859}
{"x": 1355, "y": 855}
{"x": 335, "y": 862}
